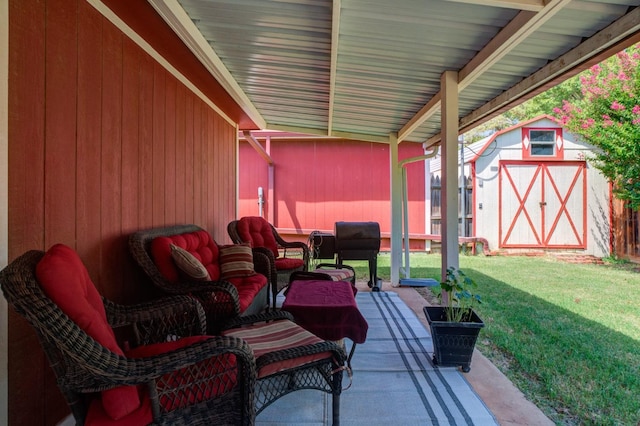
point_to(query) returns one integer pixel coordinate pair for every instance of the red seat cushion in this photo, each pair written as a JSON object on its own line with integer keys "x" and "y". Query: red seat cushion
{"x": 199, "y": 244}
{"x": 204, "y": 248}
{"x": 274, "y": 336}
{"x": 206, "y": 380}
{"x": 191, "y": 395}
{"x": 248, "y": 288}
{"x": 65, "y": 280}
{"x": 96, "y": 415}
{"x": 286, "y": 263}
{"x": 257, "y": 231}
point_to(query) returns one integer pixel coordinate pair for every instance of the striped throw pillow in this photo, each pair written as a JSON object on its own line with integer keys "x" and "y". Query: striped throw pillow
{"x": 236, "y": 261}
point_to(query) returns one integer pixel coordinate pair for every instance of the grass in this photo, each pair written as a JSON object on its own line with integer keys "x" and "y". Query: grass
{"x": 567, "y": 335}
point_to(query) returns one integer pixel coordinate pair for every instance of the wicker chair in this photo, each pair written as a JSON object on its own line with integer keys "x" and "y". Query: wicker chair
{"x": 290, "y": 358}
{"x": 219, "y": 298}
{"x": 285, "y": 256}
{"x": 208, "y": 382}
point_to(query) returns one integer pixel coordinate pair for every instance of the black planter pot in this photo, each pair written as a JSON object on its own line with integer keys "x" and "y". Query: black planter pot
{"x": 453, "y": 342}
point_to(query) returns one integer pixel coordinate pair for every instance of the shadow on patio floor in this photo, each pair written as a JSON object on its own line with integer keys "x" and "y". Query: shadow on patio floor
{"x": 394, "y": 381}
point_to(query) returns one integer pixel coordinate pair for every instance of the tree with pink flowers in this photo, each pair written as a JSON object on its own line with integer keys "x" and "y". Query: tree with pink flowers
{"x": 607, "y": 116}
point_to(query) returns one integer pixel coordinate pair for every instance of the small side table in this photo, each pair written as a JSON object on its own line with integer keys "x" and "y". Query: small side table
{"x": 328, "y": 309}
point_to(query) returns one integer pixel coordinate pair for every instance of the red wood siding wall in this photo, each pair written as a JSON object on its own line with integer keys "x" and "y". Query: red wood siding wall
{"x": 320, "y": 182}
{"x": 102, "y": 141}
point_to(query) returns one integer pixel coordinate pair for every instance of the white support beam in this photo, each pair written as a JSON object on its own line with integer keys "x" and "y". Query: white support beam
{"x": 449, "y": 161}
{"x": 395, "y": 173}
{"x": 258, "y": 147}
{"x": 617, "y": 36}
{"x": 423, "y": 115}
{"x": 532, "y": 5}
{"x": 335, "y": 39}
{"x": 505, "y": 41}
{"x": 345, "y": 135}
{"x": 176, "y": 17}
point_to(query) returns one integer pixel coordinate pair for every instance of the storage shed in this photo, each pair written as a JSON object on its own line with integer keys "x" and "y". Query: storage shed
{"x": 532, "y": 188}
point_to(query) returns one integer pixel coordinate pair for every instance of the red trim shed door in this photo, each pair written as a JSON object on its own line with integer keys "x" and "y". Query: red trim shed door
{"x": 542, "y": 204}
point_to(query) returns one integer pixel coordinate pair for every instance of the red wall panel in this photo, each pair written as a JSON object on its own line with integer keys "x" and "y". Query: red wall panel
{"x": 321, "y": 181}
{"x": 102, "y": 141}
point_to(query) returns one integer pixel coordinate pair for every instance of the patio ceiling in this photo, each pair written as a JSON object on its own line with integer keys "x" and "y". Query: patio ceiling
{"x": 365, "y": 69}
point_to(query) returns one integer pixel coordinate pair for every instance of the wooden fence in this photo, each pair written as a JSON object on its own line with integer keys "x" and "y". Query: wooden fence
{"x": 436, "y": 210}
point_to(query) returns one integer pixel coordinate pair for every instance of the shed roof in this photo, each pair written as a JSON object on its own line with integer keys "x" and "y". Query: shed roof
{"x": 475, "y": 150}
{"x": 365, "y": 69}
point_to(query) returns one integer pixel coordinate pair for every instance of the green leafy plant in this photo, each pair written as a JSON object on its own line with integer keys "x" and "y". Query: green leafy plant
{"x": 608, "y": 117}
{"x": 460, "y": 297}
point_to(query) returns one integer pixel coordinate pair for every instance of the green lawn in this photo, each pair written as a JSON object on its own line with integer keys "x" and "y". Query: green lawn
{"x": 567, "y": 335}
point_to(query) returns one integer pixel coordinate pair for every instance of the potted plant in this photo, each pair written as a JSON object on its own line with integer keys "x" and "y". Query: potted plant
{"x": 455, "y": 326}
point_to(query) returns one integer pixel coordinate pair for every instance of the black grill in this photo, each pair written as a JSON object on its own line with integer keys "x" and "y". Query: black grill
{"x": 359, "y": 241}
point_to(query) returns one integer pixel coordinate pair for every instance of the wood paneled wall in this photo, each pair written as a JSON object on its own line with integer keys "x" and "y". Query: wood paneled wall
{"x": 102, "y": 141}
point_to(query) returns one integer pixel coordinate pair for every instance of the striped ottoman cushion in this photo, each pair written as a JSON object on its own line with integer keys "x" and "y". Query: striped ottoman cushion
{"x": 342, "y": 274}
{"x": 275, "y": 336}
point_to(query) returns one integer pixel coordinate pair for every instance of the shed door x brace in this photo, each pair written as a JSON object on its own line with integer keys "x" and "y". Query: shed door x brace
{"x": 543, "y": 204}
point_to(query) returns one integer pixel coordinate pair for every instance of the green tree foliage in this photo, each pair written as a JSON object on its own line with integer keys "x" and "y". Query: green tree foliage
{"x": 607, "y": 115}
{"x": 547, "y": 101}
{"x": 488, "y": 128}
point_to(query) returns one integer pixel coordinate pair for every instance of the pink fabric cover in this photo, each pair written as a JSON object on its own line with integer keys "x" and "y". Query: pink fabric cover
{"x": 257, "y": 231}
{"x": 65, "y": 280}
{"x": 199, "y": 244}
{"x": 328, "y": 309}
{"x": 204, "y": 248}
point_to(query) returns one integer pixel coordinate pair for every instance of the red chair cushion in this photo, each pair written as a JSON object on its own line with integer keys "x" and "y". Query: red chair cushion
{"x": 275, "y": 336}
{"x": 199, "y": 244}
{"x": 257, "y": 231}
{"x": 248, "y": 288}
{"x": 65, "y": 280}
{"x": 96, "y": 415}
{"x": 213, "y": 380}
{"x": 286, "y": 263}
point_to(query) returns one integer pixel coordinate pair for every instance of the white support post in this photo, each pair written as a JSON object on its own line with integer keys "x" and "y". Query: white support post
{"x": 4, "y": 204}
{"x": 427, "y": 203}
{"x": 271, "y": 172}
{"x": 449, "y": 128}
{"x": 396, "y": 210}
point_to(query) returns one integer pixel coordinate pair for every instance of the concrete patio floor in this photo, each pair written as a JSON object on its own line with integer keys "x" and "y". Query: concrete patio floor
{"x": 506, "y": 402}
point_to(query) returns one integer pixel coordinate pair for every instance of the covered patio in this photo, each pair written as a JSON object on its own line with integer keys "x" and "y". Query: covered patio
{"x": 414, "y": 72}
{"x": 119, "y": 116}
{"x": 374, "y": 398}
